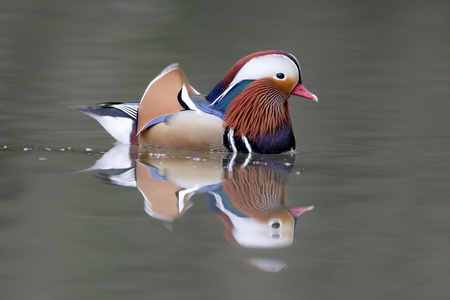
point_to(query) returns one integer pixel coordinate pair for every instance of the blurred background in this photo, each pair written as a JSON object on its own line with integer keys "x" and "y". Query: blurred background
{"x": 373, "y": 152}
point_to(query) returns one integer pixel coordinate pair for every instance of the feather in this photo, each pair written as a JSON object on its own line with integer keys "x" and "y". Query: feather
{"x": 256, "y": 191}
{"x": 221, "y": 87}
{"x": 119, "y": 119}
{"x": 186, "y": 129}
{"x": 259, "y": 110}
{"x": 160, "y": 97}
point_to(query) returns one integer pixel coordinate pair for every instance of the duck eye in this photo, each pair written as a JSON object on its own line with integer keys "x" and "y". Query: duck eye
{"x": 275, "y": 225}
{"x": 280, "y": 75}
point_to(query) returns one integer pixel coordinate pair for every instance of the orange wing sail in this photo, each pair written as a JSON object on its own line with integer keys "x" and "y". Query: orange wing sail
{"x": 160, "y": 97}
{"x": 161, "y": 200}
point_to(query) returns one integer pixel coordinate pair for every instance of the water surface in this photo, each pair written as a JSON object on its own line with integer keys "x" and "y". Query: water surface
{"x": 372, "y": 154}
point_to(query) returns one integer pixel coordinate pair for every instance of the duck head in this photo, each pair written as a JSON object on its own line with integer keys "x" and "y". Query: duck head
{"x": 253, "y": 97}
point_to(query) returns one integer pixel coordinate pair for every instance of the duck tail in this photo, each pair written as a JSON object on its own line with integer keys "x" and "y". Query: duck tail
{"x": 118, "y": 118}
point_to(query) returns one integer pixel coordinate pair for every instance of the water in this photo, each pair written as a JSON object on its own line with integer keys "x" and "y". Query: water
{"x": 373, "y": 152}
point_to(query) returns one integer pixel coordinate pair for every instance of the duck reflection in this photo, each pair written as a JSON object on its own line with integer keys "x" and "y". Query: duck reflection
{"x": 247, "y": 193}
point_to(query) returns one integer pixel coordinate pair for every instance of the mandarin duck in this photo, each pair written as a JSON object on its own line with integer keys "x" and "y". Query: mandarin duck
{"x": 249, "y": 197}
{"x": 247, "y": 111}
{"x": 251, "y": 203}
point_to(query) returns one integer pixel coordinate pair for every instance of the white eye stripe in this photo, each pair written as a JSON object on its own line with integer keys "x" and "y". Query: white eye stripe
{"x": 267, "y": 66}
